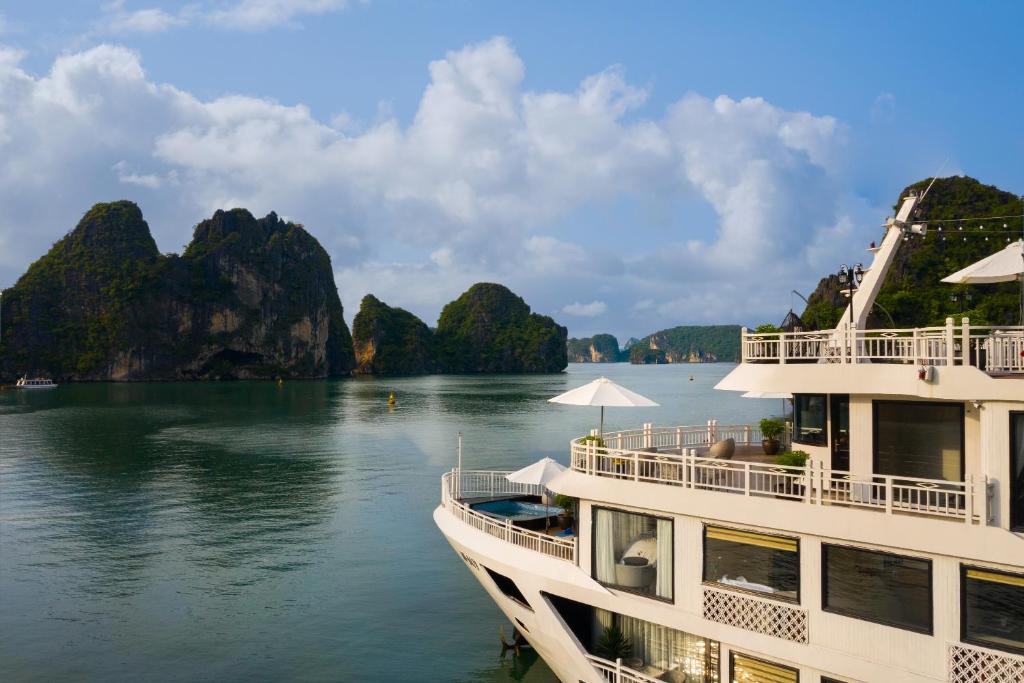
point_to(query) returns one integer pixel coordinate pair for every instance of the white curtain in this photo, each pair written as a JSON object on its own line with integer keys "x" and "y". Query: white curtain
{"x": 663, "y": 586}
{"x": 669, "y": 649}
{"x": 604, "y": 546}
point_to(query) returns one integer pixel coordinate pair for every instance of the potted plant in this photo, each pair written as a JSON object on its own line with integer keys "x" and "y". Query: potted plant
{"x": 770, "y": 430}
{"x": 613, "y": 645}
{"x": 568, "y": 504}
{"x": 792, "y": 486}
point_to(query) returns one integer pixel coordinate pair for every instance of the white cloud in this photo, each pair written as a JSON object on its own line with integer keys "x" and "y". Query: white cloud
{"x": 241, "y": 15}
{"x": 255, "y": 15}
{"x": 485, "y": 182}
{"x": 594, "y": 308}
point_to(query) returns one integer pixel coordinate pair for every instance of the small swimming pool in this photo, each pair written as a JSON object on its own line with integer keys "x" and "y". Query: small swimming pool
{"x": 516, "y": 510}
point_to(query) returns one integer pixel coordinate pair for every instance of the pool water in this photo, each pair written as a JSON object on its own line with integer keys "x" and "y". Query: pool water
{"x": 517, "y": 510}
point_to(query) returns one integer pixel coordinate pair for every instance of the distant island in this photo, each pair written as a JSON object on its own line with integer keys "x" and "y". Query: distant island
{"x": 684, "y": 344}
{"x": 247, "y": 299}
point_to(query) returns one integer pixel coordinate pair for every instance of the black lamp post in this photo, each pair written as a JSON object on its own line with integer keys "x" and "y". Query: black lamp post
{"x": 850, "y": 278}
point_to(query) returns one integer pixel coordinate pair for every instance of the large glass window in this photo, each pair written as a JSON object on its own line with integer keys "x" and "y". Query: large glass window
{"x": 746, "y": 669}
{"x": 658, "y": 651}
{"x": 756, "y": 562}
{"x": 866, "y": 584}
{"x": 919, "y": 439}
{"x": 1017, "y": 470}
{"x": 633, "y": 552}
{"x": 809, "y": 419}
{"x": 992, "y": 608}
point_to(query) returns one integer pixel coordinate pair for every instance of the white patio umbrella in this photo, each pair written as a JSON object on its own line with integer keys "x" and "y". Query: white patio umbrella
{"x": 603, "y": 392}
{"x": 771, "y": 394}
{"x": 537, "y": 474}
{"x": 1005, "y": 265}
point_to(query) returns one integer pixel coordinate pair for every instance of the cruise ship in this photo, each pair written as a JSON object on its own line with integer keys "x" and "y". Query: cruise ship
{"x": 895, "y": 553}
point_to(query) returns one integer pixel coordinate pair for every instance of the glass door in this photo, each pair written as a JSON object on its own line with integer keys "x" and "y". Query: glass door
{"x": 840, "y": 432}
{"x": 1017, "y": 470}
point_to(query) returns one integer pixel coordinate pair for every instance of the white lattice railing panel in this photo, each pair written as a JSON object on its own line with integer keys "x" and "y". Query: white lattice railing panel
{"x": 760, "y": 616}
{"x": 974, "y": 665}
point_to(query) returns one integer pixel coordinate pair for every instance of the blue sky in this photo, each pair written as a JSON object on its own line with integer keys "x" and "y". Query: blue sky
{"x": 625, "y": 167}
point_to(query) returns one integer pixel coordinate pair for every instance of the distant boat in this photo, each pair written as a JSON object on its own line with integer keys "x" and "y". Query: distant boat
{"x": 38, "y": 383}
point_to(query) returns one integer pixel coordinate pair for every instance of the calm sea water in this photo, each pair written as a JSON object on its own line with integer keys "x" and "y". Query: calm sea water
{"x": 249, "y": 531}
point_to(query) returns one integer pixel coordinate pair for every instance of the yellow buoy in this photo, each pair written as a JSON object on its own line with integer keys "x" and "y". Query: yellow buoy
{"x": 391, "y": 399}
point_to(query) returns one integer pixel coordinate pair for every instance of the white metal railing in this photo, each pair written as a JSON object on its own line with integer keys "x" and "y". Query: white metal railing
{"x": 617, "y": 672}
{"x": 994, "y": 349}
{"x": 665, "y": 456}
{"x": 486, "y": 483}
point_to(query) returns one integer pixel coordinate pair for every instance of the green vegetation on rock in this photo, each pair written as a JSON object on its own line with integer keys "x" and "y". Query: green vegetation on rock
{"x": 688, "y": 344}
{"x": 248, "y": 298}
{"x": 601, "y": 348}
{"x": 391, "y": 341}
{"x": 912, "y": 293}
{"x": 490, "y": 329}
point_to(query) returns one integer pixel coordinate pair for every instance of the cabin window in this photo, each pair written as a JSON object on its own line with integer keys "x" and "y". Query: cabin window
{"x": 894, "y": 590}
{"x": 1017, "y": 470}
{"x": 745, "y": 560}
{"x": 992, "y": 608}
{"x": 509, "y": 588}
{"x": 809, "y": 419}
{"x": 744, "y": 668}
{"x": 633, "y": 552}
{"x": 923, "y": 440}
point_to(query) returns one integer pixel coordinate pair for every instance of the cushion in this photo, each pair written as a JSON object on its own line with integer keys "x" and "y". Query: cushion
{"x": 723, "y": 450}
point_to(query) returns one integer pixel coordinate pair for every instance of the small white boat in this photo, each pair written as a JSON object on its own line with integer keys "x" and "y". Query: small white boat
{"x": 38, "y": 383}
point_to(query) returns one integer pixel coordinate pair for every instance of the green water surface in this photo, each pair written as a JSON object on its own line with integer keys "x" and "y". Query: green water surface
{"x": 247, "y": 531}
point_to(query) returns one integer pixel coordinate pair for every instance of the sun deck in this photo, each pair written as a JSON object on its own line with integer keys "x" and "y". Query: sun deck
{"x": 998, "y": 351}
{"x": 678, "y": 456}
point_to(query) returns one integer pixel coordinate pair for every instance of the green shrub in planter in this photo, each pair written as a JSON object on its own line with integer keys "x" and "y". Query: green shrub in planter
{"x": 792, "y": 458}
{"x": 771, "y": 428}
{"x": 598, "y": 441}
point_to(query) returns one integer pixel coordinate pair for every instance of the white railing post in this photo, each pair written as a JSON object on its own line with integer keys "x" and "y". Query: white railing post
{"x": 746, "y": 434}
{"x": 888, "y": 495}
{"x": 618, "y": 669}
{"x": 950, "y": 343}
{"x": 746, "y": 478}
{"x": 636, "y": 466}
{"x": 648, "y": 428}
{"x": 508, "y": 530}
{"x": 679, "y": 438}
{"x": 743, "y": 345}
{"x": 808, "y": 479}
{"x": 969, "y": 500}
{"x": 782, "y": 348}
{"x": 965, "y": 343}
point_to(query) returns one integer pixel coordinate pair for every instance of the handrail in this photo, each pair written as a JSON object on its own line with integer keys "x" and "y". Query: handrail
{"x": 617, "y": 672}
{"x": 967, "y": 501}
{"x": 490, "y": 483}
{"x": 996, "y": 349}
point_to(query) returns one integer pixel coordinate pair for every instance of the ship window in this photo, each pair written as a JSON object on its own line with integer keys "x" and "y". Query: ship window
{"x": 894, "y": 590}
{"x": 509, "y": 588}
{"x": 746, "y": 669}
{"x": 746, "y": 560}
{"x": 992, "y": 608}
{"x": 809, "y": 417}
{"x": 1017, "y": 470}
{"x": 633, "y": 552}
{"x": 914, "y": 439}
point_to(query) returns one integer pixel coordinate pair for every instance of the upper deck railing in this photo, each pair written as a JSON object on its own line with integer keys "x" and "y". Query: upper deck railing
{"x": 668, "y": 456}
{"x": 997, "y": 350}
{"x": 488, "y": 483}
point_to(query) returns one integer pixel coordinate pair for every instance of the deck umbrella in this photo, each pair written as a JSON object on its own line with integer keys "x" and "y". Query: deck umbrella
{"x": 603, "y": 392}
{"x": 537, "y": 474}
{"x": 1005, "y": 265}
{"x": 771, "y": 394}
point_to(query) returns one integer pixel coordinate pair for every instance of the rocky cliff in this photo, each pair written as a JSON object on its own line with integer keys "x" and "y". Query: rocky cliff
{"x": 490, "y": 329}
{"x": 391, "y": 341}
{"x": 912, "y": 295}
{"x": 688, "y": 344}
{"x": 248, "y": 298}
{"x": 601, "y": 348}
